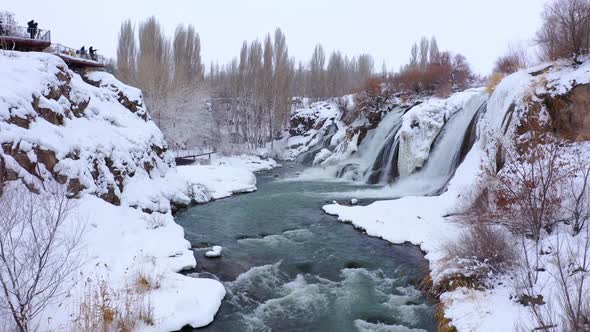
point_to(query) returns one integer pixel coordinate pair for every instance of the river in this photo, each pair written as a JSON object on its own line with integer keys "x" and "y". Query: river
{"x": 287, "y": 266}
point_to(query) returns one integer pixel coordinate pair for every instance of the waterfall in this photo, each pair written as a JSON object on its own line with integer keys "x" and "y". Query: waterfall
{"x": 384, "y": 168}
{"x": 382, "y": 162}
{"x": 448, "y": 151}
{"x": 377, "y": 156}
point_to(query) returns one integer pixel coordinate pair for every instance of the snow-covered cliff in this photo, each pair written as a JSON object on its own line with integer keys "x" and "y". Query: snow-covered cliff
{"x": 93, "y": 134}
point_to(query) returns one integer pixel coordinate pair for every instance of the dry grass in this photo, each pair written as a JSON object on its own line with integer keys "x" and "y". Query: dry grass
{"x": 105, "y": 309}
{"x": 444, "y": 324}
{"x": 493, "y": 82}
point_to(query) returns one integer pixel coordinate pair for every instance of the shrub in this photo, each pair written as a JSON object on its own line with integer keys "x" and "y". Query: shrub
{"x": 144, "y": 281}
{"x": 156, "y": 220}
{"x": 481, "y": 249}
{"x": 514, "y": 60}
{"x": 103, "y": 308}
{"x": 373, "y": 97}
{"x": 440, "y": 74}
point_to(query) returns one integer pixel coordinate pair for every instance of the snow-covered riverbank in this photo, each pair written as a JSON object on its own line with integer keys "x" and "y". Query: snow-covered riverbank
{"x": 121, "y": 241}
{"x": 92, "y": 134}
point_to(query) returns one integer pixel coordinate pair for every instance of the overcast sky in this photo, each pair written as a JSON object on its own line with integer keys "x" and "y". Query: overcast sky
{"x": 386, "y": 29}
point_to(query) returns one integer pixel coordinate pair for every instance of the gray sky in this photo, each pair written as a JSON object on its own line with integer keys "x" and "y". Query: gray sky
{"x": 480, "y": 29}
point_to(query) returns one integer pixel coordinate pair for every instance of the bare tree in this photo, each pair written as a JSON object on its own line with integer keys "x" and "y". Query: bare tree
{"x": 434, "y": 51}
{"x": 566, "y": 29}
{"x": 413, "y": 57}
{"x": 153, "y": 67}
{"x": 317, "y": 66}
{"x": 188, "y": 68}
{"x": 126, "y": 53}
{"x": 424, "y": 52}
{"x": 528, "y": 197}
{"x": 38, "y": 251}
{"x": 281, "y": 81}
{"x": 571, "y": 260}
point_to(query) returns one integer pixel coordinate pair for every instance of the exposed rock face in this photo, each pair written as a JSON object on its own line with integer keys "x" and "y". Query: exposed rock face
{"x": 570, "y": 113}
{"x": 92, "y": 133}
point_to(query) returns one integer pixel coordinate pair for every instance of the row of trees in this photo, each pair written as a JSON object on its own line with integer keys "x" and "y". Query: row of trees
{"x": 171, "y": 75}
{"x": 431, "y": 71}
{"x": 251, "y": 95}
{"x": 248, "y": 100}
{"x": 338, "y": 77}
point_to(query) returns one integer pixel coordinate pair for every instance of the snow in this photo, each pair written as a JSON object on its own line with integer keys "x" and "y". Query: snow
{"x": 319, "y": 116}
{"x": 489, "y": 310}
{"x": 119, "y": 241}
{"x": 248, "y": 162}
{"x": 321, "y": 156}
{"x": 111, "y": 146}
{"x": 214, "y": 252}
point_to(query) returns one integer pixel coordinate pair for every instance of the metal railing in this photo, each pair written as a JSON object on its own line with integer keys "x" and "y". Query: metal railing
{"x": 16, "y": 31}
{"x": 62, "y": 50}
{"x": 191, "y": 153}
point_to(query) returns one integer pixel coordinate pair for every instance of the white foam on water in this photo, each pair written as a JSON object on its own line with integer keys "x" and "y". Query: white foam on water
{"x": 309, "y": 299}
{"x": 364, "y": 326}
{"x": 287, "y": 237}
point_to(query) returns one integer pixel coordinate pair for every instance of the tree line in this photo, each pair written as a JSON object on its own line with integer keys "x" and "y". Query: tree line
{"x": 170, "y": 73}
{"x": 252, "y": 95}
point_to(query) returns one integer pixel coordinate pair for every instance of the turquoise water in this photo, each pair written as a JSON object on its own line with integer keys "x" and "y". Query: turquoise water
{"x": 287, "y": 266}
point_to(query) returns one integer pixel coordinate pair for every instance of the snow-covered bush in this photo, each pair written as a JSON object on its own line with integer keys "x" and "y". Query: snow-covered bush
{"x": 481, "y": 251}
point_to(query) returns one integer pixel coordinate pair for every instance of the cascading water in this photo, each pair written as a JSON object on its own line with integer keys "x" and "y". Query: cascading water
{"x": 448, "y": 150}
{"x": 384, "y": 168}
{"x": 375, "y": 146}
{"x": 377, "y": 158}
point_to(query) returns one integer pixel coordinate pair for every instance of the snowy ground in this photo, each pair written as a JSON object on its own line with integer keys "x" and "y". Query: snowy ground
{"x": 123, "y": 241}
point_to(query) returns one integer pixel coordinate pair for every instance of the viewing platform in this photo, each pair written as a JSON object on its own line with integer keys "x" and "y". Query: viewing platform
{"x": 28, "y": 39}
{"x": 76, "y": 58}
{"x": 19, "y": 38}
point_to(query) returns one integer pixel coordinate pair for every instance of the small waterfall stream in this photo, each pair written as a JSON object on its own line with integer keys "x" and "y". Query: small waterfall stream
{"x": 385, "y": 166}
{"x": 307, "y": 157}
{"x": 448, "y": 151}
